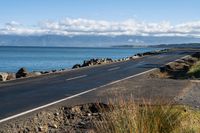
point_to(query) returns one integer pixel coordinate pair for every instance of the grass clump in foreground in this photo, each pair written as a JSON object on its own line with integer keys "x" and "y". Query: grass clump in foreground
{"x": 130, "y": 117}
{"x": 195, "y": 70}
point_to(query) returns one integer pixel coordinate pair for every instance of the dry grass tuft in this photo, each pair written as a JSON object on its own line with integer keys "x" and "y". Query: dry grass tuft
{"x": 130, "y": 117}
{"x": 195, "y": 70}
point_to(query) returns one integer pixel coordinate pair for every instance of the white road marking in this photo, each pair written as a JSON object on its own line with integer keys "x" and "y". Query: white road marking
{"x": 79, "y": 94}
{"x": 159, "y": 57}
{"x": 78, "y": 77}
{"x": 140, "y": 63}
{"x": 70, "y": 97}
{"x": 112, "y": 69}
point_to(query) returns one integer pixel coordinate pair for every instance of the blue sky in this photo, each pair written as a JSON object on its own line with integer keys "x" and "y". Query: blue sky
{"x": 33, "y": 11}
{"x": 101, "y": 17}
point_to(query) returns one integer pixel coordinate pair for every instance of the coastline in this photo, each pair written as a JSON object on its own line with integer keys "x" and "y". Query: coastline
{"x": 24, "y": 73}
{"x": 50, "y": 58}
{"x": 77, "y": 117}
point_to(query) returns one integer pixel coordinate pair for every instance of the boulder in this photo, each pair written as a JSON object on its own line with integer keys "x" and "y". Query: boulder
{"x": 22, "y": 72}
{"x": 11, "y": 76}
{"x": 134, "y": 57}
{"x": 53, "y": 71}
{"x": 139, "y": 54}
{"x": 44, "y": 72}
{"x": 64, "y": 69}
{"x": 126, "y": 59}
{"x": 3, "y": 76}
{"x": 120, "y": 59}
{"x": 89, "y": 62}
{"x": 148, "y": 53}
{"x": 109, "y": 60}
{"x": 35, "y": 74}
{"x": 93, "y": 62}
{"x": 76, "y": 66}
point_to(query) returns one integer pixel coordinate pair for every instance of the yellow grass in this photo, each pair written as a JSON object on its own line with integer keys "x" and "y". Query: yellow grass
{"x": 130, "y": 117}
{"x": 195, "y": 70}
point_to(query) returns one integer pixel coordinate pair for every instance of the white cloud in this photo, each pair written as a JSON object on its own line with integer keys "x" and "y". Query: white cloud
{"x": 93, "y": 27}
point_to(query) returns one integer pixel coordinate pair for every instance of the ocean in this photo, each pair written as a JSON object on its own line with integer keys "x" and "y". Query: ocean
{"x": 51, "y": 58}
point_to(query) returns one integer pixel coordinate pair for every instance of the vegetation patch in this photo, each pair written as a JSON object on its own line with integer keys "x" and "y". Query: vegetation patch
{"x": 130, "y": 117}
{"x": 195, "y": 70}
{"x": 116, "y": 117}
{"x": 187, "y": 68}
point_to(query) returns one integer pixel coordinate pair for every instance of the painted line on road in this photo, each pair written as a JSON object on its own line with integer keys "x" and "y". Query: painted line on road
{"x": 78, "y": 77}
{"x": 140, "y": 63}
{"x": 112, "y": 69}
{"x": 70, "y": 97}
{"x": 79, "y": 94}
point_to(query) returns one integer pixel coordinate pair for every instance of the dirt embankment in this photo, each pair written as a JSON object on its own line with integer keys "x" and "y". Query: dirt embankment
{"x": 77, "y": 119}
{"x": 178, "y": 69}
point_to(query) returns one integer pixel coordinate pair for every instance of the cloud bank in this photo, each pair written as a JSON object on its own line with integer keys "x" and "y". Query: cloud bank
{"x": 71, "y": 27}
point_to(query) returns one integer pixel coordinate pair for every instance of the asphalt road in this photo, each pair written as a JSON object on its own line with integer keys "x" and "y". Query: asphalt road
{"x": 25, "y": 94}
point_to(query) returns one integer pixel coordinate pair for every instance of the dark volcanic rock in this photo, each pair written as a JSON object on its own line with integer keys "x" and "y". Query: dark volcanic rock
{"x": 93, "y": 62}
{"x": 44, "y": 72}
{"x": 90, "y": 62}
{"x": 22, "y": 72}
{"x": 139, "y": 54}
{"x": 76, "y": 66}
{"x": 152, "y": 53}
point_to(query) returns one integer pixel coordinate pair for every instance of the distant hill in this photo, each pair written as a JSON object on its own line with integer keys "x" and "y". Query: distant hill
{"x": 182, "y": 45}
{"x": 191, "y": 45}
{"x": 90, "y": 41}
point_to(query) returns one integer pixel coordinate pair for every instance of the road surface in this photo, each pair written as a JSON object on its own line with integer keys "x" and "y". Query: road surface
{"x": 25, "y": 94}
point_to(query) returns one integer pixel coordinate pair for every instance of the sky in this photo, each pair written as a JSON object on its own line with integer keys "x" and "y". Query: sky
{"x": 104, "y": 17}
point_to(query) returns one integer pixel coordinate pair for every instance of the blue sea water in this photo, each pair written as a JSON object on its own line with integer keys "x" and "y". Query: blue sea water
{"x": 49, "y": 58}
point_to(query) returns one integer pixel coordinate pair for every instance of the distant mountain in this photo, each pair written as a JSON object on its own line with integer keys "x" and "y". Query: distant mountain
{"x": 90, "y": 41}
{"x": 191, "y": 45}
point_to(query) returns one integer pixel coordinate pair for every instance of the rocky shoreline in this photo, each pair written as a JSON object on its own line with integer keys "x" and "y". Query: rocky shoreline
{"x": 81, "y": 118}
{"x": 23, "y": 72}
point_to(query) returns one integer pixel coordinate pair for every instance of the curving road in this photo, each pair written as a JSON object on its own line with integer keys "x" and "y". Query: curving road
{"x": 25, "y": 94}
